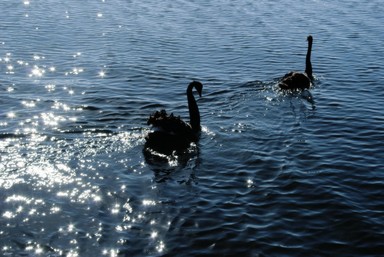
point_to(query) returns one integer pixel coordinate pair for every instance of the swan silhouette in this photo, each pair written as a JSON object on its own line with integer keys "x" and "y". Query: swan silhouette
{"x": 170, "y": 132}
{"x": 297, "y": 80}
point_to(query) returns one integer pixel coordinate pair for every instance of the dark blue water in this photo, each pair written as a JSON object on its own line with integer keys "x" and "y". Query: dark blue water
{"x": 272, "y": 175}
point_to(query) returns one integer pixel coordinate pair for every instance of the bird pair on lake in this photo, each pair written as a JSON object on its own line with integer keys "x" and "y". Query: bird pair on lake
{"x": 171, "y": 134}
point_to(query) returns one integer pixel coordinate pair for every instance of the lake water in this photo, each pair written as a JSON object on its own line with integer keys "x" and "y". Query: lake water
{"x": 273, "y": 174}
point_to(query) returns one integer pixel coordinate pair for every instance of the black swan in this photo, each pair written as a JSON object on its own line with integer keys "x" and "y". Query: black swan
{"x": 297, "y": 80}
{"x": 171, "y": 133}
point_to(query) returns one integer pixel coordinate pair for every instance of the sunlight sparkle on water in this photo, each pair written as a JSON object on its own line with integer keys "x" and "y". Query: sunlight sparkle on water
{"x": 60, "y": 106}
{"x": 10, "y": 69}
{"x": 160, "y": 247}
{"x": 71, "y": 228}
{"x": 102, "y": 74}
{"x": 37, "y": 72}
{"x": 97, "y": 198}
{"x": 54, "y": 210}
{"x": 154, "y": 234}
{"x": 18, "y": 198}
{"x": 50, "y": 119}
{"x": 115, "y": 209}
{"x": 50, "y": 87}
{"x": 72, "y": 253}
{"x": 111, "y": 252}
{"x": 149, "y": 202}
{"x": 29, "y": 104}
{"x": 75, "y": 71}
{"x": 9, "y": 215}
{"x": 11, "y": 115}
{"x": 48, "y": 174}
{"x": 7, "y": 57}
{"x": 37, "y": 57}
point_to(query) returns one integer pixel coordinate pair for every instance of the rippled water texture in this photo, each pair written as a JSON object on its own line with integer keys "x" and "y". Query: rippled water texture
{"x": 273, "y": 174}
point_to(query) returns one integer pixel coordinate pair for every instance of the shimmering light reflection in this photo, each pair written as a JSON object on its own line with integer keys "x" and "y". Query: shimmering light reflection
{"x": 9, "y": 69}
{"x": 18, "y": 198}
{"x": 111, "y": 252}
{"x": 37, "y": 72}
{"x": 61, "y": 106}
{"x": 154, "y": 234}
{"x": 160, "y": 247}
{"x": 149, "y": 202}
{"x": 249, "y": 183}
{"x": 29, "y": 104}
{"x": 97, "y": 198}
{"x": 71, "y": 228}
{"x": 48, "y": 174}
{"x": 50, "y": 119}
{"x": 74, "y": 71}
{"x": 7, "y": 57}
{"x": 37, "y": 57}
{"x": 22, "y": 204}
{"x": 36, "y": 248}
{"x": 115, "y": 209}
{"x": 8, "y": 215}
{"x": 65, "y": 174}
{"x": 133, "y": 219}
{"x": 72, "y": 253}
{"x": 50, "y": 87}
{"x": 55, "y": 209}
{"x": 11, "y": 115}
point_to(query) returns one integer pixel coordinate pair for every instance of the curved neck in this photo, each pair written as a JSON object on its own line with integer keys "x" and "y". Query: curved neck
{"x": 194, "y": 114}
{"x": 308, "y": 65}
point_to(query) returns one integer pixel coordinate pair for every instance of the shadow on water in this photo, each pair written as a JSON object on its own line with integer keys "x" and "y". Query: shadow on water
{"x": 178, "y": 166}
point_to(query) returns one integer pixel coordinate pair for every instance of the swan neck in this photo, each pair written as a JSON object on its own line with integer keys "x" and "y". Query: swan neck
{"x": 308, "y": 65}
{"x": 194, "y": 114}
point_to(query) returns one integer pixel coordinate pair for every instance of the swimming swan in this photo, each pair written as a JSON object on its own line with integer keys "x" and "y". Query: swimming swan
{"x": 297, "y": 80}
{"x": 171, "y": 133}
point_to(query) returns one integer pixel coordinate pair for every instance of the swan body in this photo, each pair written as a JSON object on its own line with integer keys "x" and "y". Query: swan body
{"x": 298, "y": 80}
{"x": 171, "y": 133}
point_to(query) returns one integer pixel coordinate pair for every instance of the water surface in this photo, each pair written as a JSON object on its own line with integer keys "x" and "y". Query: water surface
{"x": 272, "y": 175}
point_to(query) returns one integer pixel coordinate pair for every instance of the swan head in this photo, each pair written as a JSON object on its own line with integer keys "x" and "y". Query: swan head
{"x": 197, "y": 85}
{"x": 309, "y": 39}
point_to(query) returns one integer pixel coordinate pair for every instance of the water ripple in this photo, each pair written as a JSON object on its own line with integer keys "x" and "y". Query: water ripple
{"x": 292, "y": 174}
